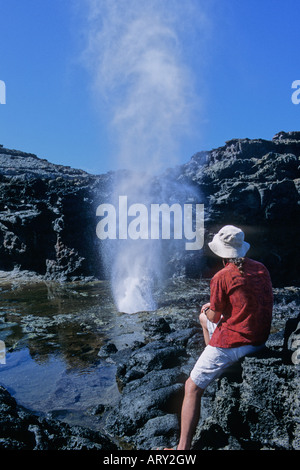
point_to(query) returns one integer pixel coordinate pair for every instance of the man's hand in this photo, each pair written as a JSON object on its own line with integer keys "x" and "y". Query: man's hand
{"x": 204, "y": 307}
{"x": 213, "y": 316}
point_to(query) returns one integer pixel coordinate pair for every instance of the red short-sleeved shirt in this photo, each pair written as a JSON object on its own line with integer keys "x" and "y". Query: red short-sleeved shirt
{"x": 246, "y": 303}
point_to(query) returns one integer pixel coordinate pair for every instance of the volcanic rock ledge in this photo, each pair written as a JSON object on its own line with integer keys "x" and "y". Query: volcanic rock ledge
{"x": 48, "y": 212}
{"x": 253, "y": 184}
{"x": 47, "y": 217}
{"x": 47, "y": 226}
{"x": 22, "y": 430}
{"x": 253, "y": 406}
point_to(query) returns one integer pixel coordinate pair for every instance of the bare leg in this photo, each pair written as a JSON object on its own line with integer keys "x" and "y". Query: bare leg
{"x": 190, "y": 411}
{"x": 203, "y": 322}
{"x": 190, "y": 414}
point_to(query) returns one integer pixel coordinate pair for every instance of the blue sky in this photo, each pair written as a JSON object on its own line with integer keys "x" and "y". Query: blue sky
{"x": 241, "y": 59}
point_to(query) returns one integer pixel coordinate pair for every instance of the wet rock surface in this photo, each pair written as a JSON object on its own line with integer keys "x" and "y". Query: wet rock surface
{"x": 22, "y": 430}
{"x": 255, "y": 405}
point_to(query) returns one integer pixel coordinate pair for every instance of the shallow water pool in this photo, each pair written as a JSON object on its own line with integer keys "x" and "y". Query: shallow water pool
{"x": 52, "y": 335}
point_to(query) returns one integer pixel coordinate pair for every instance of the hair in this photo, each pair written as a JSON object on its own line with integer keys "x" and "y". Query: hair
{"x": 238, "y": 262}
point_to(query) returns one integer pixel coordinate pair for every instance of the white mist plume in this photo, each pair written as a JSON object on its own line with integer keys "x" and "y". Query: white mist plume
{"x": 136, "y": 51}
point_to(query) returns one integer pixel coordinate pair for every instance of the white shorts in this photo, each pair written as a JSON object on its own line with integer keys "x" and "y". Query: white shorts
{"x": 213, "y": 361}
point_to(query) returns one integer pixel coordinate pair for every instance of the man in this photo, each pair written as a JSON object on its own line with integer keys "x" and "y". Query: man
{"x": 235, "y": 322}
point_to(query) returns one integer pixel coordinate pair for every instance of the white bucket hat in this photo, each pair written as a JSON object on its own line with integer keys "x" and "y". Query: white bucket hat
{"x": 229, "y": 243}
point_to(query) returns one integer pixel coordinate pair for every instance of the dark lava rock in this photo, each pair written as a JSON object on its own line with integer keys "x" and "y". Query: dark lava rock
{"x": 157, "y": 327}
{"x": 253, "y": 406}
{"x": 47, "y": 217}
{"x": 255, "y": 410}
{"x": 22, "y": 430}
{"x": 48, "y": 226}
{"x": 253, "y": 184}
{"x": 48, "y": 212}
{"x": 152, "y": 379}
{"x": 154, "y": 395}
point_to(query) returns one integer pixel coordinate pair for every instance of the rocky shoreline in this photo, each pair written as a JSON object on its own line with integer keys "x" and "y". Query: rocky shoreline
{"x": 48, "y": 212}
{"x": 254, "y": 406}
{"x": 47, "y": 234}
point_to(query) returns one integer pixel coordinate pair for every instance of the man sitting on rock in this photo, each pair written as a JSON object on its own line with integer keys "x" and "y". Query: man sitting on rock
{"x": 235, "y": 322}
